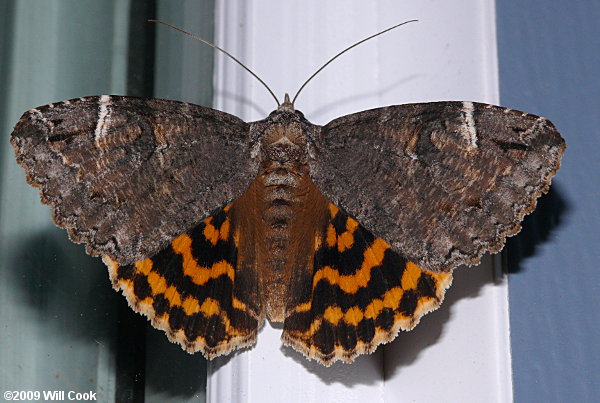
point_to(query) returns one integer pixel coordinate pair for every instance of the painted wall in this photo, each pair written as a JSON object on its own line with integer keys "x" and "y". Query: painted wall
{"x": 549, "y": 54}
{"x": 459, "y": 353}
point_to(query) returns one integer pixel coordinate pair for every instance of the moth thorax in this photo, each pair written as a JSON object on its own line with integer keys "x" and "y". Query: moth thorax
{"x": 285, "y": 142}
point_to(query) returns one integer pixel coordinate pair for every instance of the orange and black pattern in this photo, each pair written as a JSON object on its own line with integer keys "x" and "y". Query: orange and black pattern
{"x": 362, "y": 294}
{"x": 189, "y": 289}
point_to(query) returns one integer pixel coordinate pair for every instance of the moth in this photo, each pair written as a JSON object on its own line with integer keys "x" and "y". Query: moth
{"x": 347, "y": 233}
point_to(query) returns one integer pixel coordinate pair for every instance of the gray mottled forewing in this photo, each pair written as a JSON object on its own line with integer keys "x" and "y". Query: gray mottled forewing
{"x": 127, "y": 175}
{"x": 442, "y": 182}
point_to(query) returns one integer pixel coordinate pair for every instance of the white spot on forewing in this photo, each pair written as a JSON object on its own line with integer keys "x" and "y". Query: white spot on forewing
{"x": 36, "y": 112}
{"x": 40, "y": 116}
{"x": 537, "y": 125}
{"x": 103, "y": 114}
{"x": 468, "y": 128}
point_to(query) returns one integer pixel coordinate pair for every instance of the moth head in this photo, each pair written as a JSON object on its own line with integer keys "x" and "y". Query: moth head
{"x": 282, "y": 137}
{"x": 287, "y": 105}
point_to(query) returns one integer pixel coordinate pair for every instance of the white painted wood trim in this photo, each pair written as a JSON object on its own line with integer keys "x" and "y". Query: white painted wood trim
{"x": 459, "y": 353}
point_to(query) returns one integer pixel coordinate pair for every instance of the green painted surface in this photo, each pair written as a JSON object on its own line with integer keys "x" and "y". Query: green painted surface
{"x": 58, "y": 312}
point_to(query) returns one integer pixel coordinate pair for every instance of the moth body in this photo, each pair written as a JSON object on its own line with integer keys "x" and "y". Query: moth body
{"x": 283, "y": 207}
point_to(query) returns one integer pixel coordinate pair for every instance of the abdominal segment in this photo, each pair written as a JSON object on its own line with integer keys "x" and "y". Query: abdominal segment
{"x": 278, "y": 219}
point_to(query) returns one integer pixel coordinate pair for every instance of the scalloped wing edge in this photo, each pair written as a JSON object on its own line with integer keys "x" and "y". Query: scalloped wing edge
{"x": 177, "y": 337}
{"x": 381, "y": 336}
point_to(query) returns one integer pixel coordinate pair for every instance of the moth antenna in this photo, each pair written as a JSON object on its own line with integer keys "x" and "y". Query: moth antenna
{"x": 222, "y": 50}
{"x": 344, "y": 51}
